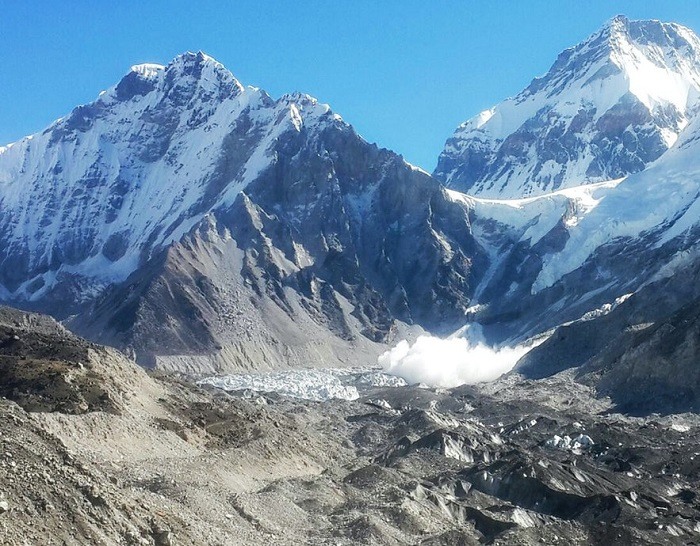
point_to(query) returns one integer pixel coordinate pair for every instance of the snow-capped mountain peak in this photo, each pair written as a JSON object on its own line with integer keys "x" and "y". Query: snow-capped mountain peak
{"x": 606, "y": 108}
{"x": 103, "y": 188}
{"x": 233, "y": 228}
{"x": 657, "y": 60}
{"x": 189, "y": 75}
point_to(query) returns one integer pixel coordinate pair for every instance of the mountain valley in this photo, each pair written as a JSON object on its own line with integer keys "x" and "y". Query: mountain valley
{"x": 95, "y": 451}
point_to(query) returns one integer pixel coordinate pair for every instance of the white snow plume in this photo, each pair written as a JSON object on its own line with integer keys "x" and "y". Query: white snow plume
{"x": 449, "y": 362}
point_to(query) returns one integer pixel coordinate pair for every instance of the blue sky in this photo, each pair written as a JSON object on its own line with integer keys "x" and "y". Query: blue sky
{"x": 404, "y": 73}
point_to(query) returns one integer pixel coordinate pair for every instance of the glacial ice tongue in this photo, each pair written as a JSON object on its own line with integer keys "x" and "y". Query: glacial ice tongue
{"x": 314, "y": 384}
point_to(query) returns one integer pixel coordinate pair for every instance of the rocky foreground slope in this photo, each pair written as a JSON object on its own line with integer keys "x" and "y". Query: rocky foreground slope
{"x": 95, "y": 451}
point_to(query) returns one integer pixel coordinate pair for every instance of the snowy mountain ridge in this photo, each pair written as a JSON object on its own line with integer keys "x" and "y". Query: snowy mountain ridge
{"x": 607, "y": 108}
{"x": 102, "y": 189}
{"x": 556, "y": 258}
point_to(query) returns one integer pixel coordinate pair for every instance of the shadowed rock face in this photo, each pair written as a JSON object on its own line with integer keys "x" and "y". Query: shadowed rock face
{"x": 658, "y": 367}
{"x": 643, "y": 354}
{"x": 335, "y": 230}
{"x": 370, "y": 225}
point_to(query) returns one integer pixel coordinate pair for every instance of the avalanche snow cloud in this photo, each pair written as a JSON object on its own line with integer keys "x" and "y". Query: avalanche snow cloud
{"x": 449, "y": 362}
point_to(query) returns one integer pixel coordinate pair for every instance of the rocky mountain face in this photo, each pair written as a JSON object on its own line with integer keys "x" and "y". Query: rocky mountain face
{"x": 578, "y": 251}
{"x": 608, "y": 107}
{"x": 616, "y": 282}
{"x": 183, "y": 214}
{"x": 640, "y": 352}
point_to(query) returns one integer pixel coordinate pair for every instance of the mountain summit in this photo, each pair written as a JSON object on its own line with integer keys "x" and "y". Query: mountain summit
{"x": 186, "y": 217}
{"x": 607, "y": 108}
{"x": 118, "y": 179}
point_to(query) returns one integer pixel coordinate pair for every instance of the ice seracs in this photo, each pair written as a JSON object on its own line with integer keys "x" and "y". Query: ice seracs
{"x": 317, "y": 385}
{"x": 147, "y": 70}
{"x": 577, "y": 445}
